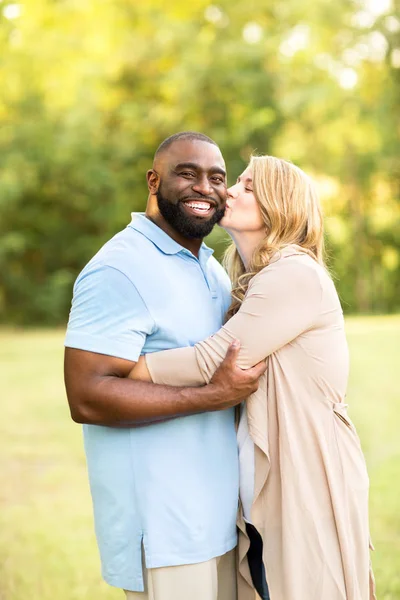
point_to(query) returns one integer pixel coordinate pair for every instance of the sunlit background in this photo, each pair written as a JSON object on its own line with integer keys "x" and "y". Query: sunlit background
{"x": 88, "y": 89}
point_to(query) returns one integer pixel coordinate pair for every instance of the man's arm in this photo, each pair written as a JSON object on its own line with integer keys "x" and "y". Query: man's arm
{"x": 100, "y": 393}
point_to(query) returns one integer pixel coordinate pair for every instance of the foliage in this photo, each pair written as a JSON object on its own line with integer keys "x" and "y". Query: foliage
{"x": 88, "y": 90}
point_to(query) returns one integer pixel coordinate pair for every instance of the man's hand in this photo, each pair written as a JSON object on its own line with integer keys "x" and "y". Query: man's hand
{"x": 100, "y": 392}
{"x": 232, "y": 384}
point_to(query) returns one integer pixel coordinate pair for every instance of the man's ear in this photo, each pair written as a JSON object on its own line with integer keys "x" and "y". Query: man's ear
{"x": 153, "y": 181}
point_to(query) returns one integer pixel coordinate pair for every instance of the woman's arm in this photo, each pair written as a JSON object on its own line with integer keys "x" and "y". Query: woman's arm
{"x": 282, "y": 302}
{"x": 140, "y": 372}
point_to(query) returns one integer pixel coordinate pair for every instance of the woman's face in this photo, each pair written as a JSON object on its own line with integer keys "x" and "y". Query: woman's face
{"x": 242, "y": 212}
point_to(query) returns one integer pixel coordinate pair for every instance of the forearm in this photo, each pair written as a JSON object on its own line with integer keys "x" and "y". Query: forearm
{"x": 189, "y": 366}
{"x": 100, "y": 392}
{"x": 121, "y": 402}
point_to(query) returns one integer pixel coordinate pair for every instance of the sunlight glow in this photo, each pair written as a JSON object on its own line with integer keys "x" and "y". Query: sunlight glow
{"x": 213, "y": 13}
{"x": 377, "y": 46}
{"x": 298, "y": 39}
{"x": 12, "y": 11}
{"x": 395, "y": 58}
{"x": 347, "y": 78}
{"x": 252, "y": 33}
{"x": 378, "y": 7}
{"x": 392, "y": 24}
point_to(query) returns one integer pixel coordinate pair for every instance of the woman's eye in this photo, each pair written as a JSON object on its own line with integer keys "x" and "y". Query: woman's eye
{"x": 248, "y": 190}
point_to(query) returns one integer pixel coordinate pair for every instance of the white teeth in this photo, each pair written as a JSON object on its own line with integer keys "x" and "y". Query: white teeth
{"x": 199, "y": 205}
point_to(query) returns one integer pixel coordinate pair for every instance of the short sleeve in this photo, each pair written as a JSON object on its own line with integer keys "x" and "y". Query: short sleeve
{"x": 108, "y": 315}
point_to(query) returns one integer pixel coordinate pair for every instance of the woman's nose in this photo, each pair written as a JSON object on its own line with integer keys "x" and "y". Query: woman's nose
{"x": 233, "y": 191}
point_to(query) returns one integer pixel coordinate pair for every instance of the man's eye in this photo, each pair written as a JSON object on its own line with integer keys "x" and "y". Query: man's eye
{"x": 218, "y": 179}
{"x": 187, "y": 174}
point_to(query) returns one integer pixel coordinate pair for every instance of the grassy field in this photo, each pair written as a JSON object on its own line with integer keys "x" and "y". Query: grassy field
{"x": 47, "y": 544}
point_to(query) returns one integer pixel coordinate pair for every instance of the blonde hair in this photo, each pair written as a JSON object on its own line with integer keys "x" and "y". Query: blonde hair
{"x": 292, "y": 214}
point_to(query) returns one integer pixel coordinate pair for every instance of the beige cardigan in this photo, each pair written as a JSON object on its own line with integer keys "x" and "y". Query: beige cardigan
{"x": 311, "y": 484}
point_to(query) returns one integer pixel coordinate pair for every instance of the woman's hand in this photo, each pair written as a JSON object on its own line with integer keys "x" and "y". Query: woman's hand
{"x": 140, "y": 371}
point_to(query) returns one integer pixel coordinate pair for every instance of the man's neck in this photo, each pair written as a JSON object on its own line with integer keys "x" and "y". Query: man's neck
{"x": 193, "y": 245}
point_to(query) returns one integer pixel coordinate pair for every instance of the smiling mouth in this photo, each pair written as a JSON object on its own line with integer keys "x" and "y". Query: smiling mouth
{"x": 201, "y": 208}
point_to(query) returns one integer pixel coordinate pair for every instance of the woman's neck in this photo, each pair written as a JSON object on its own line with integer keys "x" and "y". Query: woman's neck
{"x": 246, "y": 243}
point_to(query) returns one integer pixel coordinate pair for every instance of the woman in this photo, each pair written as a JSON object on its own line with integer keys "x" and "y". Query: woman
{"x": 304, "y": 485}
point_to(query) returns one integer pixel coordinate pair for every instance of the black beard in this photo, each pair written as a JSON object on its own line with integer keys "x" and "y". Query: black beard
{"x": 187, "y": 226}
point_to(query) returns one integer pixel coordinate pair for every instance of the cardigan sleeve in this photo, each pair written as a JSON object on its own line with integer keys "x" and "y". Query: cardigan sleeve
{"x": 282, "y": 302}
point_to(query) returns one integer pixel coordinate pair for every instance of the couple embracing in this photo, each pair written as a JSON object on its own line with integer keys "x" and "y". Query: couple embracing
{"x": 222, "y": 461}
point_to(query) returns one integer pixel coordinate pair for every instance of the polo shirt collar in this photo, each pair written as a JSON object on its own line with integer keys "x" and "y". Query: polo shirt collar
{"x": 161, "y": 239}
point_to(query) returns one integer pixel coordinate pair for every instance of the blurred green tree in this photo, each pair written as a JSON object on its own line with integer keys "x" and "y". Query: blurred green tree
{"x": 89, "y": 89}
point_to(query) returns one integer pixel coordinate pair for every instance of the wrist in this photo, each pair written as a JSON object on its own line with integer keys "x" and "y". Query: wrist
{"x": 203, "y": 399}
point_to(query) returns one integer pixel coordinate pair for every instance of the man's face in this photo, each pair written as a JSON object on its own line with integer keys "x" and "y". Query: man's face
{"x": 192, "y": 187}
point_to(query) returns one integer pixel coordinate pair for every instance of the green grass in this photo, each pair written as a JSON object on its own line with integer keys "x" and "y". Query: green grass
{"x": 47, "y": 545}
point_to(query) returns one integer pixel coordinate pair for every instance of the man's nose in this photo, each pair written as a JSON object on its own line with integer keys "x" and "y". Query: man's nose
{"x": 203, "y": 186}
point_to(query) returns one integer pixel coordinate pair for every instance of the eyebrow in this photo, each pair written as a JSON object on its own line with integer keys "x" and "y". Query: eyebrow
{"x": 247, "y": 179}
{"x": 189, "y": 165}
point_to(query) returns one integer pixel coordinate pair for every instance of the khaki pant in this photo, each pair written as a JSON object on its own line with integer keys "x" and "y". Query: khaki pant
{"x": 211, "y": 580}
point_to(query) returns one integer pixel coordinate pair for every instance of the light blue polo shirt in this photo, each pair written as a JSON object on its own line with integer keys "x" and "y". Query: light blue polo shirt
{"x": 172, "y": 486}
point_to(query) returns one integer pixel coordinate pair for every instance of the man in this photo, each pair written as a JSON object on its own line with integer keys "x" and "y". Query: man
{"x": 162, "y": 461}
